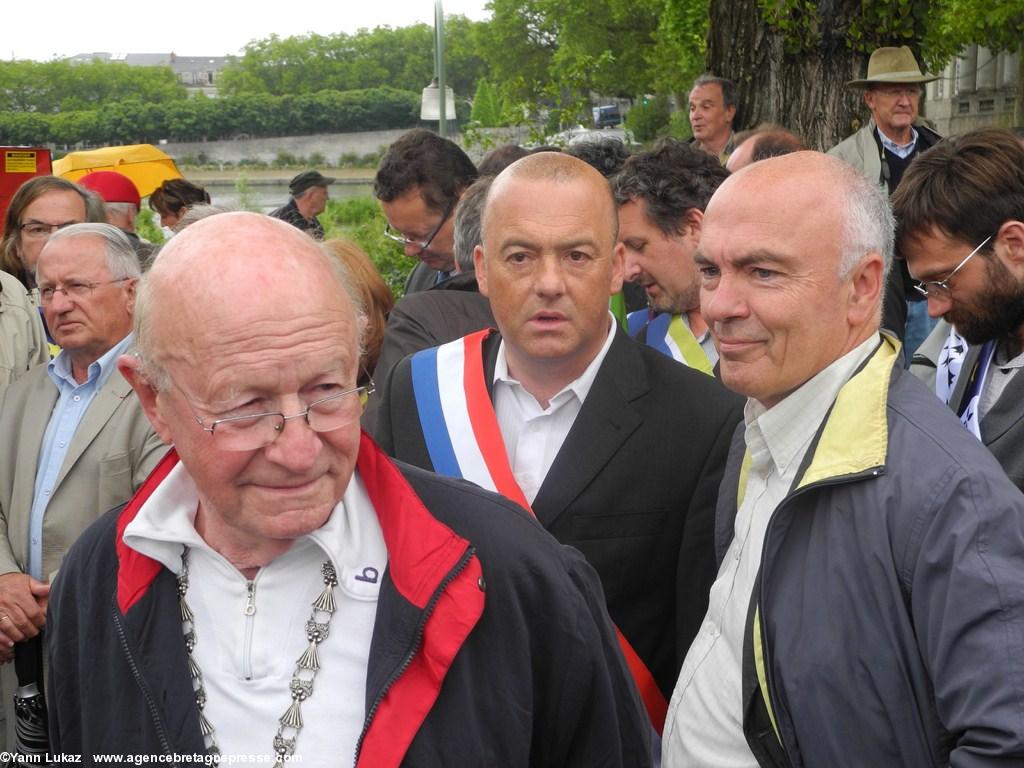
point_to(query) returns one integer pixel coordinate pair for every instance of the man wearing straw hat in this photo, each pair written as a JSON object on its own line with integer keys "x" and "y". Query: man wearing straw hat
{"x": 882, "y": 150}
{"x": 884, "y": 147}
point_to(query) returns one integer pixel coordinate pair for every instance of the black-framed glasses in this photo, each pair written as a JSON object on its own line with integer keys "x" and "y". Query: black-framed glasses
{"x": 76, "y": 289}
{"x": 391, "y": 234}
{"x": 39, "y": 229}
{"x": 935, "y": 288}
{"x": 249, "y": 432}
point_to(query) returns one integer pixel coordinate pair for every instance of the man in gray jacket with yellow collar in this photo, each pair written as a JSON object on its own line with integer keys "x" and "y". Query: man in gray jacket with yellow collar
{"x": 868, "y": 608}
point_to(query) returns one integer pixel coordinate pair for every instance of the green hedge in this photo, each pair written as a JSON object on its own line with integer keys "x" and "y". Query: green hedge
{"x": 205, "y": 119}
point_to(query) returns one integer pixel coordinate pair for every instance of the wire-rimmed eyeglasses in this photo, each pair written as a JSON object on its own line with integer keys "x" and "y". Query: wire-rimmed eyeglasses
{"x": 249, "y": 432}
{"x": 934, "y": 288}
{"x": 390, "y": 234}
{"x": 76, "y": 289}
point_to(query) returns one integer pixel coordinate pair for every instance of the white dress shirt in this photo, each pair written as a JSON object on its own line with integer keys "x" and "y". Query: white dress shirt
{"x": 534, "y": 435}
{"x": 704, "y": 725}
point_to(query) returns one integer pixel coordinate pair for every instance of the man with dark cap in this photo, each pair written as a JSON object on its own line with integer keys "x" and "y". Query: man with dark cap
{"x": 309, "y": 199}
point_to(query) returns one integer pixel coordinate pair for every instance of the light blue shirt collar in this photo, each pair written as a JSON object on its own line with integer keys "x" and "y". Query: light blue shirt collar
{"x": 902, "y": 151}
{"x": 99, "y": 371}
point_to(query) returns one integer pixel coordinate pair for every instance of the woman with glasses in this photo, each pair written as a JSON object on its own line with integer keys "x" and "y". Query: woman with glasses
{"x": 40, "y": 207}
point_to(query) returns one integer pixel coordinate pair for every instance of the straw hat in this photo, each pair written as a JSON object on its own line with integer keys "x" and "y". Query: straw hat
{"x": 892, "y": 65}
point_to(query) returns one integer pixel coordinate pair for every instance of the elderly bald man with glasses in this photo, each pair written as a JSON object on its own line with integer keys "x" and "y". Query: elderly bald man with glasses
{"x": 279, "y": 589}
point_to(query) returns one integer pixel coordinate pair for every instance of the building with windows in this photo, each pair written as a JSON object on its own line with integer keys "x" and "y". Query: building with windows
{"x": 196, "y": 73}
{"x": 977, "y": 89}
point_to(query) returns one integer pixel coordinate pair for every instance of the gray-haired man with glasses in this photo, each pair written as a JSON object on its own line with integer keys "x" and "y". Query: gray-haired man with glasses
{"x": 278, "y": 588}
{"x": 961, "y": 214}
{"x": 74, "y": 441}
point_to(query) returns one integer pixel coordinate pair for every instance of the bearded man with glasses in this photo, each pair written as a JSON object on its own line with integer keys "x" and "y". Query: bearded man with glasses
{"x": 418, "y": 184}
{"x": 74, "y": 441}
{"x": 961, "y": 226}
{"x": 278, "y": 588}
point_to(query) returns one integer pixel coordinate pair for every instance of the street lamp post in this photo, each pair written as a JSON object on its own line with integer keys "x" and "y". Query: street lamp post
{"x": 442, "y": 126}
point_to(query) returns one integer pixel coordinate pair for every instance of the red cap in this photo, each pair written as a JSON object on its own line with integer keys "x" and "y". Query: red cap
{"x": 112, "y": 186}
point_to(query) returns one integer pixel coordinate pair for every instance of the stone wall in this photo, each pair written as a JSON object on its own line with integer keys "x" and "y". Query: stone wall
{"x": 331, "y": 145}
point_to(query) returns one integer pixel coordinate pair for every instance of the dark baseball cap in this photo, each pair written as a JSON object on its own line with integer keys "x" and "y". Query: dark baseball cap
{"x": 308, "y": 179}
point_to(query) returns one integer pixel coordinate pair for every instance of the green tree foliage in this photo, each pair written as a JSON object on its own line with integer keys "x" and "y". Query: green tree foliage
{"x": 486, "y": 105}
{"x": 360, "y": 220}
{"x": 565, "y": 51}
{"x": 995, "y": 24}
{"x": 403, "y": 58}
{"x": 680, "y": 44}
{"x": 52, "y": 86}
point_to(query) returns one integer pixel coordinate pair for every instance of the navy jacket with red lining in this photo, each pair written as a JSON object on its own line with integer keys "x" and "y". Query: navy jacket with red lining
{"x": 516, "y": 662}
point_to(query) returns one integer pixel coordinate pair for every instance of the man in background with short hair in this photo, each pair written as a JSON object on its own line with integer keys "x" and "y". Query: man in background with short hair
{"x": 308, "y": 200}
{"x": 418, "y": 184}
{"x": 661, "y": 195}
{"x": 712, "y": 111}
{"x": 450, "y": 309}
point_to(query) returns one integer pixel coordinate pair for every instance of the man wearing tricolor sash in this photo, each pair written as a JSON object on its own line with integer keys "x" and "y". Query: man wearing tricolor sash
{"x": 661, "y": 195}
{"x": 960, "y": 208}
{"x": 615, "y": 448}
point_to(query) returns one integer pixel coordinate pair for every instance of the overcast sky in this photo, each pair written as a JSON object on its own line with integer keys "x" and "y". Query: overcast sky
{"x": 212, "y": 28}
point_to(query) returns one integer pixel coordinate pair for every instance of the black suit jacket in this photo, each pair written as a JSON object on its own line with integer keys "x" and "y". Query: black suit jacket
{"x": 422, "y": 278}
{"x": 448, "y": 311}
{"x": 633, "y": 488}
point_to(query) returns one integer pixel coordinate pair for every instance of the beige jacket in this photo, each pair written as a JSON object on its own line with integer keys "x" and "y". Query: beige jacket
{"x": 22, "y": 340}
{"x": 110, "y": 455}
{"x": 112, "y": 452}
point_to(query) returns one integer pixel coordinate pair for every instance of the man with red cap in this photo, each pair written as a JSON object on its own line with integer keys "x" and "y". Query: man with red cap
{"x": 123, "y": 202}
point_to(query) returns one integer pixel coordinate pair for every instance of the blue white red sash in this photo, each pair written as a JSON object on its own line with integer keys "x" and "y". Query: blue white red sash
{"x": 457, "y": 417}
{"x": 464, "y": 440}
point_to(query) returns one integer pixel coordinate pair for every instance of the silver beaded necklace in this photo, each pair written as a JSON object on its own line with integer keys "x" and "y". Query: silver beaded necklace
{"x": 306, "y": 667}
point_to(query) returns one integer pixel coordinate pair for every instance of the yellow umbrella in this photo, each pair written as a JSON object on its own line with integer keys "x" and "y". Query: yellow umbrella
{"x": 147, "y": 166}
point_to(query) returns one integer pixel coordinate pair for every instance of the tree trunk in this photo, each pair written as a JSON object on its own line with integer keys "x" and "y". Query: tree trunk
{"x": 803, "y": 91}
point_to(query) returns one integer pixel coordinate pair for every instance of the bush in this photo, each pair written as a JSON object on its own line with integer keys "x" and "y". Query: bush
{"x": 204, "y": 119}
{"x": 360, "y": 220}
{"x": 649, "y": 119}
{"x": 285, "y": 159}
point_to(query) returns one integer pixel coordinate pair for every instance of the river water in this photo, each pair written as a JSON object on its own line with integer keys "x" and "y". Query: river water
{"x": 268, "y": 196}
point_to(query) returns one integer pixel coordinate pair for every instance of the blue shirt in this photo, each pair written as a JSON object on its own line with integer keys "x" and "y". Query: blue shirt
{"x": 902, "y": 151}
{"x": 72, "y": 403}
